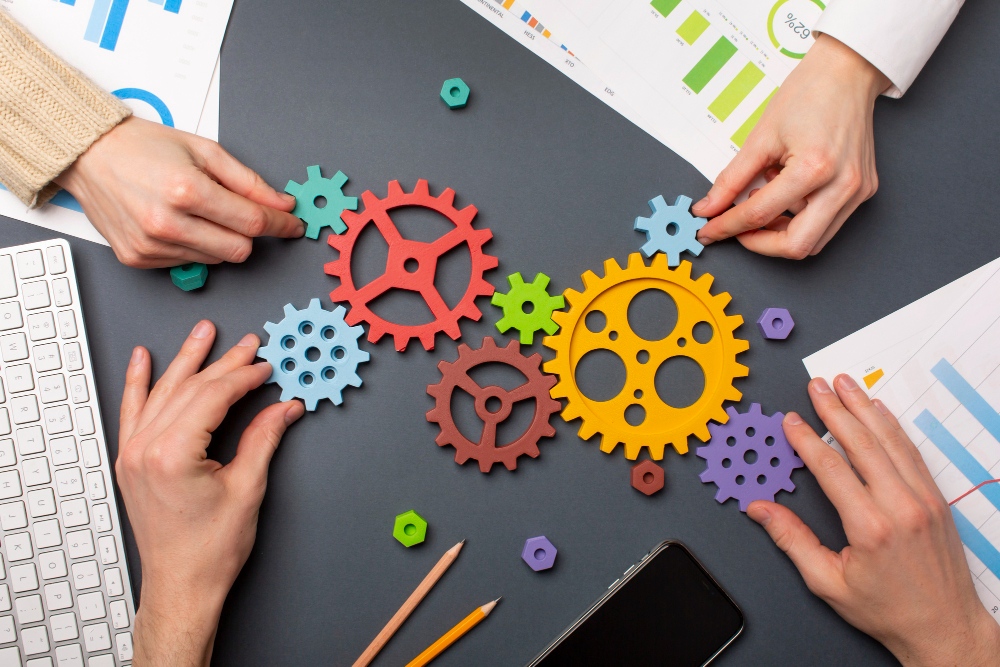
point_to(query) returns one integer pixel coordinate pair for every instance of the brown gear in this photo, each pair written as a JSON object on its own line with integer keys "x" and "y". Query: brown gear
{"x": 456, "y": 375}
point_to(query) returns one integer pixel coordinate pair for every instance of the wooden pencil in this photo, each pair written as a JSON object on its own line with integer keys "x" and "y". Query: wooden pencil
{"x": 453, "y": 635}
{"x": 382, "y": 638}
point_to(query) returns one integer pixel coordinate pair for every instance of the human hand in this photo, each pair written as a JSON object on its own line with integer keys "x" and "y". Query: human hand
{"x": 162, "y": 197}
{"x": 903, "y": 578}
{"x": 194, "y": 519}
{"x": 815, "y": 145}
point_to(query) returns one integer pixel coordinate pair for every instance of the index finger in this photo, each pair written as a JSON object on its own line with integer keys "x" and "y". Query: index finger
{"x": 246, "y": 217}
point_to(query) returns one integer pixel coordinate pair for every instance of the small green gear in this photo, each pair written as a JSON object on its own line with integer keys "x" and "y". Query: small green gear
{"x": 542, "y": 307}
{"x": 306, "y": 194}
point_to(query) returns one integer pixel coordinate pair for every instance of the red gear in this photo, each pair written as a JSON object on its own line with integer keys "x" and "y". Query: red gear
{"x": 456, "y": 375}
{"x": 400, "y": 251}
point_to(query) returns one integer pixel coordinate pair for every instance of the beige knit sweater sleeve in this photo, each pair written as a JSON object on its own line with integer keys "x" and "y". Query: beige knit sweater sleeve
{"x": 50, "y": 114}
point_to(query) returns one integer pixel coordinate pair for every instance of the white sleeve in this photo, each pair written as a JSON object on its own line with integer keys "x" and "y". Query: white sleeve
{"x": 896, "y": 36}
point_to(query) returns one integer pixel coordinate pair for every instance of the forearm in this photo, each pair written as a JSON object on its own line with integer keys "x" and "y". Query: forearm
{"x": 174, "y": 630}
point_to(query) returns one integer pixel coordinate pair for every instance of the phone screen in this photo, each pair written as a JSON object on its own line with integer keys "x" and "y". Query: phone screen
{"x": 670, "y": 611}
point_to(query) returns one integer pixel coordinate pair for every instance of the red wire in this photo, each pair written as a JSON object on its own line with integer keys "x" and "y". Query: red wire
{"x": 976, "y": 488}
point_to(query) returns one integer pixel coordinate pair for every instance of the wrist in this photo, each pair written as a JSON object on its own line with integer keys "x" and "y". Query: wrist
{"x": 978, "y": 645}
{"x": 175, "y": 628}
{"x": 846, "y": 64}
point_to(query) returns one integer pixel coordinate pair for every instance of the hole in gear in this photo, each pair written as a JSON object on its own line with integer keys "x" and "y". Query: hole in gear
{"x": 306, "y": 328}
{"x": 497, "y": 374}
{"x": 775, "y": 462}
{"x": 410, "y": 529}
{"x": 493, "y": 404}
{"x": 288, "y": 342}
{"x": 750, "y": 456}
{"x": 762, "y": 479}
{"x": 613, "y": 335}
{"x": 726, "y": 463}
{"x": 681, "y": 342}
{"x": 328, "y": 333}
{"x": 528, "y": 307}
{"x": 328, "y": 374}
{"x": 731, "y": 441}
{"x": 777, "y": 323}
{"x": 672, "y": 229}
{"x": 635, "y": 415}
{"x": 652, "y": 314}
{"x": 539, "y": 554}
{"x": 595, "y": 321}
{"x": 769, "y": 441}
{"x": 411, "y": 265}
{"x": 740, "y": 479}
{"x": 702, "y": 333}
{"x": 306, "y": 379}
{"x": 642, "y": 356}
{"x": 288, "y": 365}
{"x": 600, "y": 375}
{"x": 312, "y": 354}
{"x": 679, "y": 382}
{"x": 751, "y": 431}
{"x": 319, "y": 201}
{"x": 338, "y": 353}
{"x": 647, "y": 478}
{"x": 637, "y": 393}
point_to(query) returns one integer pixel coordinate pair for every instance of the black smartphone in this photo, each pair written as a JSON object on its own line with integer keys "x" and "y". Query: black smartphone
{"x": 665, "y": 610}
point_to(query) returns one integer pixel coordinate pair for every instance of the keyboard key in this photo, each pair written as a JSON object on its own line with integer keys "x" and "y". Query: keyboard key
{"x": 41, "y": 502}
{"x": 19, "y": 378}
{"x": 52, "y": 564}
{"x": 46, "y": 357}
{"x": 113, "y": 582}
{"x": 5, "y": 424}
{"x": 7, "y": 634}
{"x": 123, "y": 641}
{"x": 80, "y": 543}
{"x": 79, "y": 389}
{"x": 7, "y": 456}
{"x": 63, "y": 451}
{"x": 29, "y": 441}
{"x": 108, "y": 549}
{"x": 52, "y": 388}
{"x": 29, "y": 609}
{"x": 36, "y": 471}
{"x": 14, "y": 347}
{"x": 70, "y": 655}
{"x": 119, "y": 614}
{"x": 8, "y": 284}
{"x": 64, "y": 627}
{"x": 58, "y": 419}
{"x": 36, "y": 295}
{"x": 55, "y": 259}
{"x": 4, "y": 598}
{"x": 10, "y": 316}
{"x": 18, "y": 547}
{"x": 57, "y": 596}
{"x": 91, "y": 453}
{"x": 44, "y": 661}
{"x": 35, "y": 640}
{"x": 86, "y": 575}
{"x": 47, "y": 534}
{"x": 67, "y": 324}
{"x": 24, "y": 409}
{"x": 23, "y": 578}
{"x": 13, "y": 516}
{"x": 74, "y": 358}
{"x": 10, "y": 484}
{"x": 61, "y": 292}
{"x": 97, "y": 637}
{"x": 69, "y": 481}
{"x": 105, "y": 660}
{"x": 74, "y": 513}
{"x": 95, "y": 484}
{"x": 41, "y": 326}
{"x": 85, "y": 421}
{"x": 91, "y": 606}
{"x": 102, "y": 517}
{"x": 29, "y": 264}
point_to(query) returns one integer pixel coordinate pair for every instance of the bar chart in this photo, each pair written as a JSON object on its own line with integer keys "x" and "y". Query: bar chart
{"x": 107, "y": 17}
{"x": 532, "y": 22}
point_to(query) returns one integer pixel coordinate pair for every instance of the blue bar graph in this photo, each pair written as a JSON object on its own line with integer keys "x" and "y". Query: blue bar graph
{"x": 157, "y": 2}
{"x": 957, "y": 454}
{"x": 113, "y": 25}
{"x": 977, "y": 542}
{"x": 98, "y": 16}
{"x": 968, "y": 396}
{"x": 107, "y": 16}
{"x": 68, "y": 2}
{"x": 173, "y": 6}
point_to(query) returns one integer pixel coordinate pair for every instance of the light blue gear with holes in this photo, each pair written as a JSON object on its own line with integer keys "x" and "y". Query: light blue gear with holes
{"x": 313, "y": 354}
{"x": 667, "y": 219}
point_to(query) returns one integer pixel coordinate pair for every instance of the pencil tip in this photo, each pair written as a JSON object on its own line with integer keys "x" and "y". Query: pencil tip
{"x": 498, "y": 599}
{"x": 463, "y": 541}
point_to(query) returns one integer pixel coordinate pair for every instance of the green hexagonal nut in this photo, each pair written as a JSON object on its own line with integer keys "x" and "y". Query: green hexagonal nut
{"x": 410, "y": 528}
{"x": 455, "y": 93}
{"x": 189, "y": 276}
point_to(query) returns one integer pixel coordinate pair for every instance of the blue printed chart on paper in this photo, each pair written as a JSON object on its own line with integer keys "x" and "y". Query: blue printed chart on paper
{"x": 158, "y": 56}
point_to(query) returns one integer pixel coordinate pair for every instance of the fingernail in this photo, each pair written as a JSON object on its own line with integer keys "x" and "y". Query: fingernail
{"x": 249, "y": 340}
{"x": 704, "y": 240}
{"x": 793, "y": 419}
{"x": 137, "y": 355}
{"x": 881, "y": 406}
{"x": 294, "y": 411}
{"x": 821, "y": 387}
{"x": 753, "y": 192}
{"x": 202, "y": 330}
{"x": 701, "y": 204}
{"x": 847, "y": 382}
{"x": 760, "y": 515}
{"x": 287, "y": 198}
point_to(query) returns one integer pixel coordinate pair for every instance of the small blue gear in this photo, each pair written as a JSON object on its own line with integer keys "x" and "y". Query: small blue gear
{"x": 316, "y": 186}
{"x": 313, "y": 354}
{"x": 671, "y": 229}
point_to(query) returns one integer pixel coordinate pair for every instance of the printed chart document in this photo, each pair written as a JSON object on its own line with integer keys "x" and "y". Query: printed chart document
{"x": 159, "y": 56}
{"x": 946, "y": 394}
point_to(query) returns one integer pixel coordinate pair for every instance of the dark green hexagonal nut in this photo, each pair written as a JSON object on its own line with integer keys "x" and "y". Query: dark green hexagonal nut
{"x": 455, "y": 93}
{"x": 410, "y": 529}
{"x": 189, "y": 276}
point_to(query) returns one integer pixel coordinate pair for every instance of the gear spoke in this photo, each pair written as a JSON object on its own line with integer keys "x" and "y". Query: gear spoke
{"x": 449, "y": 241}
{"x": 386, "y": 227}
{"x": 489, "y": 435}
{"x": 434, "y": 301}
{"x": 376, "y": 288}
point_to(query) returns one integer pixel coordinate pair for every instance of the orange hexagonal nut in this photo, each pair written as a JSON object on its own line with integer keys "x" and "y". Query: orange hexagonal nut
{"x": 647, "y": 477}
{"x": 410, "y": 528}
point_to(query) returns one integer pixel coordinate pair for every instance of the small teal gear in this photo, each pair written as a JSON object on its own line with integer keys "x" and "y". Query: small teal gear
{"x": 313, "y": 354}
{"x": 536, "y": 297}
{"x": 316, "y": 186}
{"x": 671, "y": 229}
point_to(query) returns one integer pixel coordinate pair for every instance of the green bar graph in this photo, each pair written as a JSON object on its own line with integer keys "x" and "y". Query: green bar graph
{"x": 710, "y": 64}
{"x": 736, "y": 91}
{"x": 741, "y": 134}
{"x": 692, "y": 27}
{"x": 665, "y": 6}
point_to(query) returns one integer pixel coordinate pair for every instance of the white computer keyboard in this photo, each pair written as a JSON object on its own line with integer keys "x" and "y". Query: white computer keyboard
{"x": 65, "y": 594}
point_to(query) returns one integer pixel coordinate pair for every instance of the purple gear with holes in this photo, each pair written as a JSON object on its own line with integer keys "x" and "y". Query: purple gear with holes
{"x": 731, "y": 442}
{"x": 532, "y": 547}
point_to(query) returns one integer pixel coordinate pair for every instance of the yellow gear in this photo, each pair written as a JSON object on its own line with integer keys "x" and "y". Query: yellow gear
{"x": 611, "y": 296}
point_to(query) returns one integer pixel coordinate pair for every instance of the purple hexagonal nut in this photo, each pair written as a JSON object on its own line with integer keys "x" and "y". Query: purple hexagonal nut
{"x": 775, "y": 323}
{"x": 539, "y": 553}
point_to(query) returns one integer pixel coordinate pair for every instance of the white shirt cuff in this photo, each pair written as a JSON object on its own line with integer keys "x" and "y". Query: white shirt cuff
{"x": 896, "y": 36}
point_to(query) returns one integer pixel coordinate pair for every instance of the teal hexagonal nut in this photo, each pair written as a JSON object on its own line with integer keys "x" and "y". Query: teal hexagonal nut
{"x": 189, "y": 276}
{"x": 455, "y": 93}
{"x": 410, "y": 529}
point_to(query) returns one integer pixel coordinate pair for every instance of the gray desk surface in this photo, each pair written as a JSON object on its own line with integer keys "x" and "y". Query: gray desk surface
{"x": 559, "y": 178}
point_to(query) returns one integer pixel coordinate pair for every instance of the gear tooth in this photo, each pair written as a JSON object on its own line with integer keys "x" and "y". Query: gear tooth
{"x": 632, "y": 450}
{"x": 350, "y": 217}
{"x": 557, "y": 302}
{"x": 734, "y": 322}
{"x": 338, "y": 179}
{"x": 560, "y": 317}
{"x": 314, "y": 172}
{"x": 349, "y": 203}
{"x": 673, "y": 257}
{"x": 590, "y": 279}
{"x": 515, "y": 280}
{"x": 422, "y": 189}
{"x": 734, "y": 395}
{"x": 290, "y": 310}
{"x": 527, "y": 337}
{"x": 466, "y": 216}
{"x": 740, "y": 371}
{"x": 370, "y": 200}
{"x": 722, "y": 496}
{"x": 489, "y": 342}
{"x": 400, "y": 341}
{"x": 463, "y": 350}
{"x": 395, "y": 190}
{"x": 498, "y": 299}
{"x": 363, "y": 357}
{"x": 541, "y": 281}
{"x": 293, "y": 188}
{"x": 719, "y": 415}
{"x": 270, "y": 327}
{"x": 648, "y": 248}
{"x": 656, "y": 450}
{"x": 740, "y": 345}
{"x": 375, "y": 332}
{"x": 426, "y": 339}
{"x": 570, "y": 412}
{"x": 755, "y": 409}
{"x": 433, "y": 415}
{"x": 658, "y": 203}
{"x": 337, "y": 396}
{"x": 442, "y": 441}
{"x": 659, "y": 263}
{"x": 721, "y": 300}
{"x": 447, "y": 198}
{"x": 641, "y": 225}
{"x": 706, "y": 476}
{"x": 608, "y": 443}
{"x": 486, "y": 288}
{"x": 550, "y": 327}
{"x": 694, "y": 248}
{"x": 571, "y": 295}
{"x": 452, "y": 330}
{"x": 701, "y": 433}
{"x": 586, "y": 431}
{"x": 314, "y": 304}
{"x": 634, "y": 262}
{"x": 503, "y": 325}
{"x": 704, "y": 281}
{"x": 311, "y": 402}
{"x": 683, "y": 202}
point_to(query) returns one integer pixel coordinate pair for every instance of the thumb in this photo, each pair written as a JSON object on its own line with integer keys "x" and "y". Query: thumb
{"x": 756, "y": 156}
{"x": 260, "y": 440}
{"x": 820, "y": 567}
